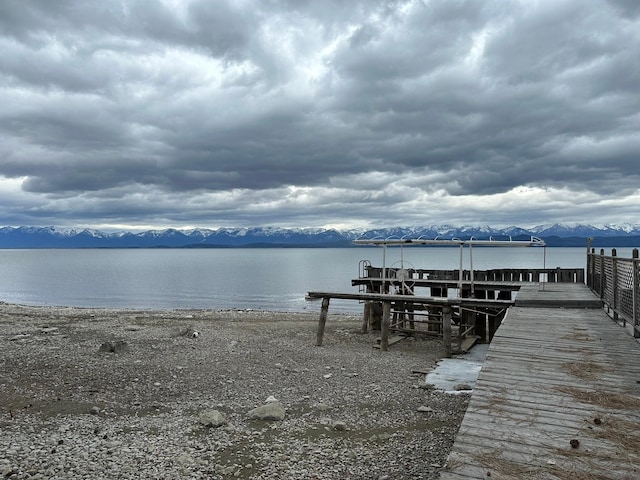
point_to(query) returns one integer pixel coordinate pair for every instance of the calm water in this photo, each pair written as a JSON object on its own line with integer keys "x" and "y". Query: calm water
{"x": 267, "y": 279}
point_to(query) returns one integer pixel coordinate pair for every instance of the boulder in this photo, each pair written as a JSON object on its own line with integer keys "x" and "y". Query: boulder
{"x": 118, "y": 346}
{"x": 270, "y": 411}
{"x": 212, "y": 418}
{"x": 189, "y": 332}
{"x": 339, "y": 426}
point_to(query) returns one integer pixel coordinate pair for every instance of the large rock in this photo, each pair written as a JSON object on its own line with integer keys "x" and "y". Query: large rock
{"x": 212, "y": 418}
{"x": 189, "y": 332}
{"x": 118, "y": 346}
{"x": 270, "y": 411}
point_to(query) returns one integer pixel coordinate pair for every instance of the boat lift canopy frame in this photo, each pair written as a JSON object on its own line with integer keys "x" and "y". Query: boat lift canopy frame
{"x": 390, "y": 241}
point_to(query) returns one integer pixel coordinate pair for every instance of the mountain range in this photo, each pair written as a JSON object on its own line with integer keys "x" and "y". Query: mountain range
{"x": 624, "y": 235}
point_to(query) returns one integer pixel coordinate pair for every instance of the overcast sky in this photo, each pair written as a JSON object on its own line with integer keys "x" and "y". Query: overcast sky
{"x": 131, "y": 114}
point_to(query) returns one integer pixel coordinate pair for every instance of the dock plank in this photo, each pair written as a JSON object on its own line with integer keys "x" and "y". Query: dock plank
{"x": 551, "y": 370}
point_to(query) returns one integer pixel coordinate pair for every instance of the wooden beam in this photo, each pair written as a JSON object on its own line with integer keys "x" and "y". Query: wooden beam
{"x": 386, "y": 297}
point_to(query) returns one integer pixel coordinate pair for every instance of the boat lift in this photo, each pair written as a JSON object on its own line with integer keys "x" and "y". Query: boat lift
{"x": 402, "y": 242}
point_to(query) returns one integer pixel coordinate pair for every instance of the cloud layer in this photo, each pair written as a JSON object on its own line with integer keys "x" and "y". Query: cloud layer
{"x": 136, "y": 113}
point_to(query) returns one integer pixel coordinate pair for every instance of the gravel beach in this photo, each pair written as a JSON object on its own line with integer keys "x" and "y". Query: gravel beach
{"x": 203, "y": 394}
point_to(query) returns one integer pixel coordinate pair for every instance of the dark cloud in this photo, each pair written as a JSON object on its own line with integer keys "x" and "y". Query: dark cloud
{"x": 306, "y": 113}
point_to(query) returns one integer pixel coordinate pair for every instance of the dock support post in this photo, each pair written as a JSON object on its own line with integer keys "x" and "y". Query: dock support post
{"x": 366, "y": 316}
{"x": 481, "y": 320}
{"x": 323, "y": 320}
{"x": 446, "y": 331}
{"x": 386, "y": 320}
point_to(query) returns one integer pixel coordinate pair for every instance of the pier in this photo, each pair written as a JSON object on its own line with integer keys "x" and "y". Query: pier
{"x": 558, "y": 396}
{"x": 418, "y": 301}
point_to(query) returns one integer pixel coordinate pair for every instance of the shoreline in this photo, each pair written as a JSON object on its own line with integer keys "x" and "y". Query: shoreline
{"x": 350, "y": 411}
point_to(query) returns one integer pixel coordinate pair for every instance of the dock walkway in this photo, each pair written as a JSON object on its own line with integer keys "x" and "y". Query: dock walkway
{"x": 558, "y": 396}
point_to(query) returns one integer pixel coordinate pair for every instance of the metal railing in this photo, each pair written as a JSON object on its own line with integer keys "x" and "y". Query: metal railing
{"x": 616, "y": 281}
{"x": 549, "y": 275}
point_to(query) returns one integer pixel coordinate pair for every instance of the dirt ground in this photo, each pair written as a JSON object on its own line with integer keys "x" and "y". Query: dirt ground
{"x": 74, "y": 408}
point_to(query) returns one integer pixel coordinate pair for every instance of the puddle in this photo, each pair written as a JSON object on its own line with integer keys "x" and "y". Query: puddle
{"x": 463, "y": 369}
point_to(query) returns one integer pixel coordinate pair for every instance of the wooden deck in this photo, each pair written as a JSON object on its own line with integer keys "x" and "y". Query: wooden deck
{"x": 558, "y": 372}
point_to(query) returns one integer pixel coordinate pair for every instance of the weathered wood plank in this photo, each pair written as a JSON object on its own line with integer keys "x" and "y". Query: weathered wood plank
{"x": 529, "y": 400}
{"x": 384, "y": 297}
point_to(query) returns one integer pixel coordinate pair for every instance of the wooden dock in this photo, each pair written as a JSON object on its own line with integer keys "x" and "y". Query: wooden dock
{"x": 558, "y": 396}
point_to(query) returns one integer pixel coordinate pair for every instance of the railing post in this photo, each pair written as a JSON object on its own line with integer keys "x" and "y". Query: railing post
{"x": 602, "y": 279}
{"x": 636, "y": 287}
{"x": 589, "y": 260}
{"x": 614, "y": 287}
{"x": 592, "y": 272}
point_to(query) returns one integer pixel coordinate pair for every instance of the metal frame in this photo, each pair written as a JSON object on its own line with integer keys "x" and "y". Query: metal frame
{"x": 402, "y": 242}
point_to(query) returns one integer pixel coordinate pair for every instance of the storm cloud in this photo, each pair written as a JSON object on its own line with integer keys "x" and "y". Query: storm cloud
{"x": 141, "y": 113}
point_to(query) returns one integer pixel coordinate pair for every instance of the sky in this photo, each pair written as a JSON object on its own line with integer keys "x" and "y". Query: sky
{"x": 139, "y": 114}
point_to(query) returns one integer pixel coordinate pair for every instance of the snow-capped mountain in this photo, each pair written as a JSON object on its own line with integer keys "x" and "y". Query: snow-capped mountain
{"x": 62, "y": 237}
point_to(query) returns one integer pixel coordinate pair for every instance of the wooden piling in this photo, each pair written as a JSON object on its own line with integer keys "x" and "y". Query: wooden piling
{"x": 386, "y": 321}
{"x": 323, "y": 320}
{"x": 446, "y": 331}
{"x": 366, "y": 316}
{"x": 481, "y": 320}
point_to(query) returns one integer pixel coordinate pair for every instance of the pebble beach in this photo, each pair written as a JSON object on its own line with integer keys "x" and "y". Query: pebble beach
{"x": 207, "y": 394}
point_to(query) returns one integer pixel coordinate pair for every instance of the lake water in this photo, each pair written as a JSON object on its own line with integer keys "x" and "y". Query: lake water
{"x": 260, "y": 279}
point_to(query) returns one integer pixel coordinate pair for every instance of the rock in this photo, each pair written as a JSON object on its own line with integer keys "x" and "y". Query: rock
{"x": 322, "y": 407}
{"x": 118, "y": 346}
{"x": 270, "y": 411}
{"x": 462, "y": 386}
{"x": 189, "y": 332}
{"x": 325, "y": 421}
{"x": 94, "y": 411}
{"x": 230, "y": 470}
{"x": 271, "y": 399}
{"x": 48, "y": 329}
{"x": 424, "y": 408}
{"x": 184, "y": 459}
{"x": 17, "y": 338}
{"x": 339, "y": 426}
{"x": 212, "y": 419}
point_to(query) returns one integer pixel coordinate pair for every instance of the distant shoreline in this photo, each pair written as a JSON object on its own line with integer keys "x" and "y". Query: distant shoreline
{"x": 600, "y": 242}
{"x": 558, "y": 235}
